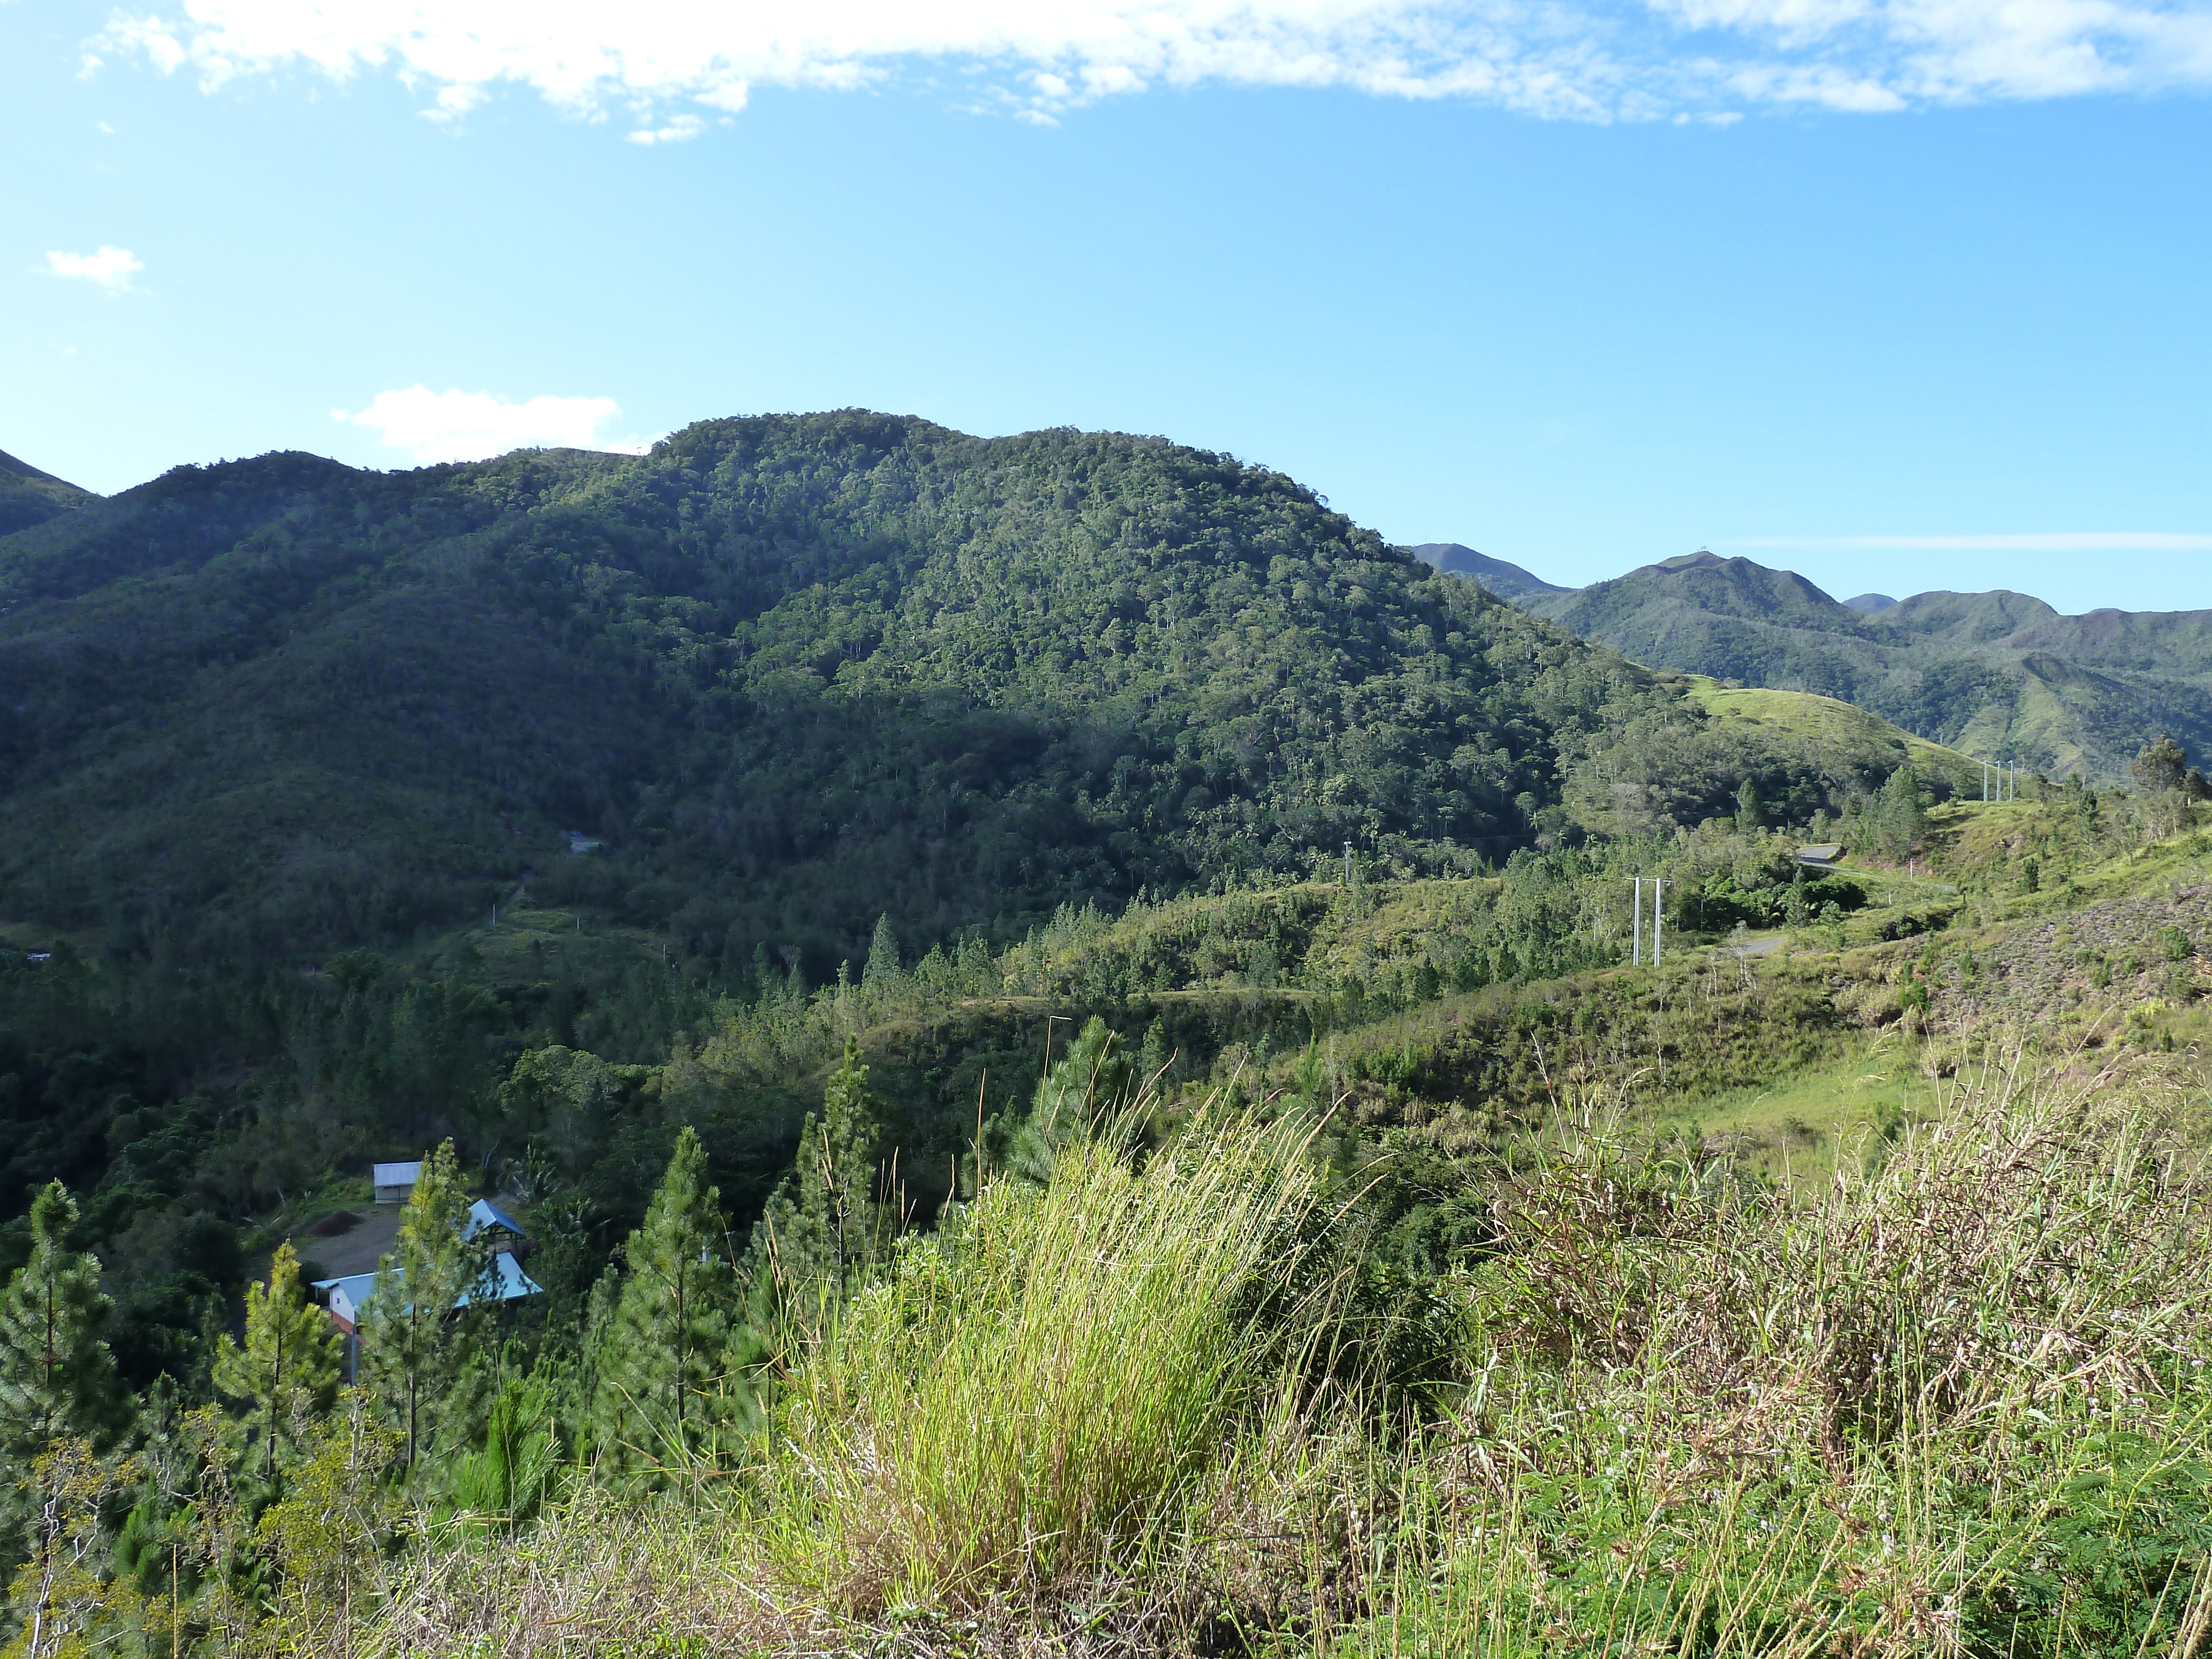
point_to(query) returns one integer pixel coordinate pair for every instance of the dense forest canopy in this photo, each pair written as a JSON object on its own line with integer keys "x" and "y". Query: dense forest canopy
{"x": 792, "y": 673}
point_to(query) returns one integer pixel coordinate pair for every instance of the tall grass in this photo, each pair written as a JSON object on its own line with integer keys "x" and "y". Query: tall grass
{"x": 1957, "y": 1404}
{"x": 1037, "y": 1396}
{"x": 1954, "y": 1404}
{"x": 1046, "y": 1403}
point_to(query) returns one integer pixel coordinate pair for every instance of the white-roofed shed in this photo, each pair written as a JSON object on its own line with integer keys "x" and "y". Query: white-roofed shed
{"x": 395, "y": 1182}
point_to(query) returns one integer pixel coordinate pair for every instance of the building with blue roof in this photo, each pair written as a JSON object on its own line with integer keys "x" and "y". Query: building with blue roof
{"x": 348, "y": 1297}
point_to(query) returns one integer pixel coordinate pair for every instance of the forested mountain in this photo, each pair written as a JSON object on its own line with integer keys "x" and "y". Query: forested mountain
{"x": 28, "y": 496}
{"x": 1998, "y": 674}
{"x": 707, "y": 730}
{"x": 793, "y": 673}
{"x": 1508, "y": 581}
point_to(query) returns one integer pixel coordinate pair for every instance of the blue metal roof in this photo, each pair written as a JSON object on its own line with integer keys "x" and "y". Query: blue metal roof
{"x": 356, "y": 1289}
{"x": 484, "y": 1213}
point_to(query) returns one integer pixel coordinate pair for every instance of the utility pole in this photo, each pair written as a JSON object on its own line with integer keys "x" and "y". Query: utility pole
{"x": 1658, "y": 918}
{"x": 1347, "y": 864}
{"x": 1635, "y": 927}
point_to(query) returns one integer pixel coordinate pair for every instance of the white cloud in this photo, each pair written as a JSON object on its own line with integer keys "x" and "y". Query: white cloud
{"x": 453, "y": 102}
{"x": 2039, "y": 541}
{"x": 1594, "y": 58}
{"x": 473, "y": 426}
{"x": 677, "y": 132}
{"x": 112, "y": 268}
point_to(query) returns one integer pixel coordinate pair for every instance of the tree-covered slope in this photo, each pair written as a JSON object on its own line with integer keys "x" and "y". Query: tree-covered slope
{"x": 792, "y": 671}
{"x": 28, "y": 496}
{"x": 1998, "y": 674}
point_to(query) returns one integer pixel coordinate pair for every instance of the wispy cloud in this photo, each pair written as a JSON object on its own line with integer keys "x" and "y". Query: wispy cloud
{"x": 2038, "y": 541}
{"x": 1600, "y": 59}
{"x": 110, "y": 268}
{"x": 473, "y": 426}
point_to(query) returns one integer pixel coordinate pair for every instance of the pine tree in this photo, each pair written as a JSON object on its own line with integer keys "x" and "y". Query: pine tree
{"x": 414, "y": 1345}
{"x": 826, "y": 1222}
{"x": 286, "y": 1371}
{"x": 667, "y": 1341}
{"x": 883, "y": 970}
{"x": 1895, "y": 819}
{"x": 1093, "y": 1082}
{"x": 56, "y": 1375}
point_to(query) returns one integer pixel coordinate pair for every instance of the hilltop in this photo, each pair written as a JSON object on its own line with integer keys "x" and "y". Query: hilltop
{"x": 1830, "y": 724}
{"x": 1508, "y": 581}
{"x": 28, "y": 496}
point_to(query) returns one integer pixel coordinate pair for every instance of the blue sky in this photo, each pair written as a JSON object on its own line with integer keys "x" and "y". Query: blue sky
{"x": 1901, "y": 293}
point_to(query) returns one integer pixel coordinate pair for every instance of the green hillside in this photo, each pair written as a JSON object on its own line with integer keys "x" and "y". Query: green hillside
{"x": 1214, "y": 1221}
{"x": 1998, "y": 675}
{"x": 303, "y": 758}
{"x": 1827, "y": 722}
{"x": 792, "y": 673}
{"x": 28, "y": 496}
{"x": 1000, "y": 1175}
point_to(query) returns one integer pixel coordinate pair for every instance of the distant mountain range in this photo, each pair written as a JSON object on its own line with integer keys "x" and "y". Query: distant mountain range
{"x": 1999, "y": 674}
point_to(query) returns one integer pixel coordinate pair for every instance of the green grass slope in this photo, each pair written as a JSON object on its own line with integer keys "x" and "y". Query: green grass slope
{"x": 1829, "y": 722}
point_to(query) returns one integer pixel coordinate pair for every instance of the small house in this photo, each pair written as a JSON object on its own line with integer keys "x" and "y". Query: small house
{"x": 395, "y": 1182}
{"x": 1826, "y": 853}
{"x": 347, "y": 1295}
{"x": 348, "y": 1298}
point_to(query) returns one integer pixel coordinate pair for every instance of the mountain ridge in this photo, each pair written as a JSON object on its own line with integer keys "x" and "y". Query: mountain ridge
{"x": 796, "y": 672}
{"x": 2003, "y": 673}
{"x": 29, "y": 497}
{"x": 1508, "y": 581}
